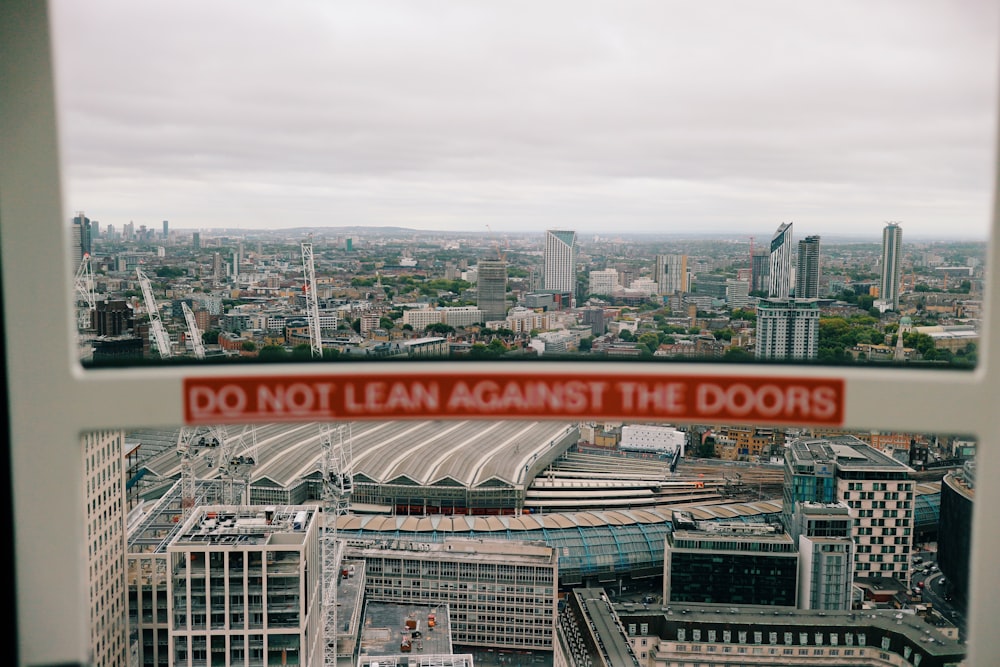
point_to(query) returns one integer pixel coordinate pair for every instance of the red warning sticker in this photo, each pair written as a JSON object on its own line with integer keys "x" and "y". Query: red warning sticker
{"x": 785, "y": 400}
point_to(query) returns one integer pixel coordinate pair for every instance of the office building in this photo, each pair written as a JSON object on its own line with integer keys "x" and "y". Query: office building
{"x": 80, "y": 233}
{"x": 166, "y": 229}
{"x": 807, "y": 269}
{"x": 104, "y": 467}
{"x": 958, "y": 496}
{"x": 603, "y": 282}
{"x": 491, "y": 288}
{"x": 560, "y": 261}
{"x": 822, "y": 532}
{"x": 877, "y": 489}
{"x": 245, "y": 587}
{"x": 729, "y": 563}
{"x": 892, "y": 265}
{"x": 671, "y": 274}
{"x": 737, "y": 293}
{"x": 779, "y": 277}
{"x": 787, "y": 329}
{"x": 196, "y": 240}
{"x": 500, "y": 595}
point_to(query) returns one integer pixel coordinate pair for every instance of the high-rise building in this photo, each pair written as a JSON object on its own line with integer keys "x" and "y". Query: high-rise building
{"x": 560, "y": 261}
{"x": 196, "y": 240}
{"x": 807, "y": 269}
{"x": 104, "y": 467}
{"x": 671, "y": 274}
{"x": 760, "y": 269}
{"x": 166, "y": 229}
{"x": 491, "y": 288}
{"x": 780, "y": 263}
{"x": 892, "y": 264}
{"x": 787, "y": 329}
{"x": 82, "y": 240}
{"x": 876, "y": 487}
{"x": 822, "y": 532}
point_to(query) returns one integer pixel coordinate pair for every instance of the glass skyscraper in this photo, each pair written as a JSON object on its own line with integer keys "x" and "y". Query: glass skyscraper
{"x": 780, "y": 266}
{"x": 560, "y": 261}
{"x": 892, "y": 256}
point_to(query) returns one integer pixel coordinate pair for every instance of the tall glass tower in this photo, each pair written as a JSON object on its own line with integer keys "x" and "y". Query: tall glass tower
{"x": 892, "y": 258}
{"x": 807, "y": 269}
{"x": 779, "y": 284}
{"x": 560, "y": 261}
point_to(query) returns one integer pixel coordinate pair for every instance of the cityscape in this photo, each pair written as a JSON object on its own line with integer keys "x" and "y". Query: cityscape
{"x": 526, "y": 542}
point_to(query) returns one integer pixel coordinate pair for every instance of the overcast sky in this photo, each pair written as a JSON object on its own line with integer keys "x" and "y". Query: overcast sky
{"x": 601, "y": 117}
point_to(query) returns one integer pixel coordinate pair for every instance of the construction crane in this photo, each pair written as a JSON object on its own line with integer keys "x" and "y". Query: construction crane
{"x": 85, "y": 293}
{"x": 338, "y": 485}
{"x": 501, "y": 254}
{"x": 230, "y": 458}
{"x": 197, "y": 346}
{"x": 312, "y": 300}
{"x": 160, "y": 337}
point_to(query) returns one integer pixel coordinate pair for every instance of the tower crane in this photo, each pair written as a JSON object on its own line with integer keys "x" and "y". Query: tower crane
{"x": 230, "y": 457}
{"x": 85, "y": 293}
{"x": 312, "y": 300}
{"x": 194, "y": 333}
{"x": 338, "y": 485}
{"x": 160, "y": 337}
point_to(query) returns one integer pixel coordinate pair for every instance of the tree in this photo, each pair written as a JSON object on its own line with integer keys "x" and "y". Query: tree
{"x": 356, "y": 325}
{"x": 737, "y": 354}
{"x": 650, "y": 340}
{"x": 273, "y": 353}
{"x": 440, "y": 328}
{"x": 626, "y": 335}
{"x": 386, "y": 323}
{"x": 248, "y": 346}
{"x": 211, "y": 337}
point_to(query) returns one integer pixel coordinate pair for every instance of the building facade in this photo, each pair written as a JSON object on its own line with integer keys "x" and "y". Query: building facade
{"x": 807, "y": 269}
{"x": 822, "y": 532}
{"x": 779, "y": 285}
{"x": 104, "y": 466}
{"x": 500, "y": 595}
{"x": 787, "y": 329}
{"x": 560, "y": 261}
{"x": 877, "y": 489}
{"x": 729, "y": 563}
{"x": 245, "y": 587}
{"x": 892, "y": 265}
{"x": 491, "y": 288}
{"x": 603, "y": 282}
{"x": 671, "y": 274}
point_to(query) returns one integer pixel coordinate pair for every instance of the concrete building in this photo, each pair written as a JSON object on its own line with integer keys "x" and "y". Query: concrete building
{"x": 491, "y": 289}
{"x": 245, "y": 585}
{"x": 807, "y": 269}
{"x": 737, "y": 293}
{"x": 603, "y": 282}
{"x": 560, "y": 261}
{"x": 729, "y": 564}
{"x": 787, "y": 329}
{"x": 671, "y": 274}
{"x": 421, "y": 318}
{"x": 759, "y": 269}
{"x": 892, "y": 265}
{"x": 653, "y": 439}
{"x": 499, "y": 594}
{"x": 104, "y": 467}
{"x": 82, "y": 239}
{"x": 779, "y": 284}
{"x": 826, "y": 555}
{"x": 877, "y": 489}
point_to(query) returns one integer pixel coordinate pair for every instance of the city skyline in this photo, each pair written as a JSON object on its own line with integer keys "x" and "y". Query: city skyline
{"x": 891, "y": 117}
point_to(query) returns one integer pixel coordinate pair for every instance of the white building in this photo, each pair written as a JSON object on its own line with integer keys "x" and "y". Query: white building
{"x": 603, "y": 282}
{"x": 462, "y": 316}
{"x": 787, "y": 329}
{"x": 245, "y": 587}
{"x": 104, "y": 467}
{"x": 780, "y": 264}
{"x": 421, "y": 318}
{"x": 653, "y": 439}
{"x": 644, "y": 286}
{"x": 671, "y": 274}
{"x": 560, "y": 261}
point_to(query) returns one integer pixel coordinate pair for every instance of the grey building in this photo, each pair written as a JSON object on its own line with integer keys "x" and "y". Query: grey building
{"x": 807, "y": 269}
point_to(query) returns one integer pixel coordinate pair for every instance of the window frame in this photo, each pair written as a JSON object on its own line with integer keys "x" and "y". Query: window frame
{"x": 52, "y": 399}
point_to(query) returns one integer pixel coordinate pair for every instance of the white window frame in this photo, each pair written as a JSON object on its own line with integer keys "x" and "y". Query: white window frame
{"x": 52, "y": 400}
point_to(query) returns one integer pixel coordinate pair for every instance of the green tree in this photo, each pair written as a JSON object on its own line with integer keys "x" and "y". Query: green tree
{"x": 356, "y": 325}
{"x": 273, "y": 353}
{"x": 211, "y": 337}
{"x": 248, "y": 346}
{"x": 650, "y": 340}
{"x": 626, "y": 335}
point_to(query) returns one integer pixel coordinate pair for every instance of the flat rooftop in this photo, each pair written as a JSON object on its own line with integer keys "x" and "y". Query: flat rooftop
{"x": 387, "y": 626}
{"x": 232, "y": 525}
